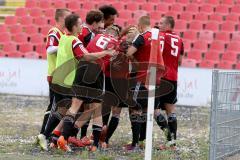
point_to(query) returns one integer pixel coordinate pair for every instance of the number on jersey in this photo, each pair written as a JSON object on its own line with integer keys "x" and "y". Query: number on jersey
{"x": 103, "y": 42}
{"x": 174, "y": 50}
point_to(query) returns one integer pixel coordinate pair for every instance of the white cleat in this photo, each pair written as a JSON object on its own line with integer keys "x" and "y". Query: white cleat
{"x": 42, "y": 141}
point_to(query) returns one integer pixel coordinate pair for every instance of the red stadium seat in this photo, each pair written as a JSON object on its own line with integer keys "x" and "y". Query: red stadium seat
{"x": 233, "y": 46}
{"x": 180, "y": 25}
{"x": 25, "y": 47}
{"x": 132, "y": 21}
{"x": 188, "y": 16}
{"x": 35, "y": 12}
{"x": 21, "y": 12}
{"x": 5, "y": 37}
{"x": 10, "y": 47}
{"x": 50, "y": 12}
{"x": 237, "y": 66}
{"x": 73, "y": 5}
{"x": 27, "y": 20}
{"x": 232, "y": 17}
{"x": 187, "y": 45}
{"x": 88, "y": 6}
{"x": 235, "y": 9}
{"x": 171, "y": 13}
{"x": 140, "y": 13}
{"x": 201, "y": 17}
{"x": 121, "y": 21}
{"x": 206, "y": 8}
{"x": 154, "y": 1}
{"x": 218, "y": 46}
{"x": 177, "y": 7}
{"x": 45, "y": 4}
{"x": 230, "y": 56}
{"x": 132, "y": 6}
{"x": 118, "y": 5}
{"x": 14, "y": 29}
{"x": 45, "y": 29}
{"x": 41, "y": 49}
{"x": 207, "y": 64}
{"x": 212, "y": 56}
{"x": 148, "y": 6}
{"x": 169, "y": 1}
{"x": 11, "y": 20}
{"x": 196, "y": 55}
{"x": 32, "y": 55}
{"x": 40, "y": 21}
{"x": 206, "y": 36}
{"x": 37, "y": 38}
{"x": 32, "y": 29}
{"x": 31, "y": 4}
{"x": 190, "y": 35}
{"x": 191, "y": 7}
{"x": 196, "y": 25}
{"x": 236, "y": 36}
{"x": 212, "y": 26}
{"x": 222, "y": 9}
{"x": 225, "y": 65}
{"x": 82, "y": 13}
{"x": 3, "y": 28}
{"x": 20, "y": 37}
{"x": 59, "y": 4}
{"x": 183, "y": 1}
{"x": 216, "y": 17}
{"x": 222, "y": 36}
{"x": 162, "y": 7}
{"x": 125, "y": 15}
{"x": 227, "y": 2}
{"x": 213, "y": 2}
{"x": 200, "y": 45}
{"x": 228, "y": 27}
{"x": 189, "y": 63}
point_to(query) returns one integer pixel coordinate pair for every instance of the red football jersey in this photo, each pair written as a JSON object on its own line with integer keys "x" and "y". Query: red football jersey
{"x": 86, "y": 36}
{"x": 171, "y": 48}
{"x": 53, "y": 37}
{"x": 143, "y": 45}
{"x": 98, "y": 44}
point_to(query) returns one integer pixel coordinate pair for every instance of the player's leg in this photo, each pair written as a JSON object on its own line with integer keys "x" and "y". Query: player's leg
{"x": 85, "y": 126}
{"x": 172, "y": 119}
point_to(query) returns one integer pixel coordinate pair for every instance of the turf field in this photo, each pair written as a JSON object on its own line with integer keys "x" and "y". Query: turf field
{"x": 21, "y": 117}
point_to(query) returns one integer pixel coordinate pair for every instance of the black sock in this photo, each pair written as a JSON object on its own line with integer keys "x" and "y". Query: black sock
{"x": 136, "y": 127}
{"x": 68, "y": 124}
{"x": 84, "y": 129}
{"x": 111, "y": 128}
{"x": 172, "y": 123}
{"x": 143, "y": 127}
{"x": 96, "y": 134}
{"x": 162, "y": 123}
{"x": 75, "y": 131}
{"x": 106, "y": 118}
{"x": 52, "y": 122}
{"x": 45, "y": 119}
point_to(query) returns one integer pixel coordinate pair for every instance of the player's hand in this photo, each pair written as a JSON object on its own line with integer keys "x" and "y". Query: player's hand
{"x": 111, "y": 52}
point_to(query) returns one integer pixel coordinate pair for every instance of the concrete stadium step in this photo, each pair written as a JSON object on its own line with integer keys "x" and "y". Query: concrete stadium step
{"x": 15, "y": 3}
{"x": 8, "y": 10}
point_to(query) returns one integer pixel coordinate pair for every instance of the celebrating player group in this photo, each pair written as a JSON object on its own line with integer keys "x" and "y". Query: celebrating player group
{"x": 95, "y": 68}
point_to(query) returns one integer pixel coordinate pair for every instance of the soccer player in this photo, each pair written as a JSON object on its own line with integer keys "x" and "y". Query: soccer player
{"x": 109, "y": 13}
{"x": 53, "y": 38}
{"x": 86, "y": 84}
{"x": 172, "y": 50}
{"x": 94, "y": 22}
{"x": 140, "y": 50}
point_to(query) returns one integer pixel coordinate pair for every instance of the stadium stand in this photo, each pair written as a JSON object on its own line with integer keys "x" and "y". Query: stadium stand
{"x": 209, "y": 28}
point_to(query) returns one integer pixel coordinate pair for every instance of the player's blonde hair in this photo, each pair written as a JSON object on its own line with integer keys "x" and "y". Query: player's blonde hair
{"x": 144, "y": 20}
{"x": 59, "y": 13}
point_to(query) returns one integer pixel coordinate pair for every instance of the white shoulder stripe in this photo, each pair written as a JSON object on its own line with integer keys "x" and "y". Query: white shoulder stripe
{"x": 83, "y": 49}
{"x": 76, "y": 43}
{"x": 54, "y": 35}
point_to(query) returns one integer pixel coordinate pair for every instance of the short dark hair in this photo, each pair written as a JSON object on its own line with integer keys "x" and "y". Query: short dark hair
{"x": 94, "y": 16}
{"x": 170, "y": 20}
{"x": 108, "y": 11}
{"x": 59, "y": 13}
{"x": 70, "y": 21}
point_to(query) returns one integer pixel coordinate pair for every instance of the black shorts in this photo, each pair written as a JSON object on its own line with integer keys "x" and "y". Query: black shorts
{"x": 117, "y": 89}
{"x": 88, "y": 83}
{"x": 166, "y": 92}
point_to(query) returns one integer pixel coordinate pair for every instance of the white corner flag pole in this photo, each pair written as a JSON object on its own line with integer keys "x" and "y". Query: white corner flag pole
{"x": 151, "y": 101}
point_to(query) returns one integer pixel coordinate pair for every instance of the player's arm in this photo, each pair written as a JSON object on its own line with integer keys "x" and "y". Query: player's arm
{"x": 81, "y": 52}
{"x": 52, "y": 43}
{"x": 137, "y": 43}
{"x": 181, "y": 55}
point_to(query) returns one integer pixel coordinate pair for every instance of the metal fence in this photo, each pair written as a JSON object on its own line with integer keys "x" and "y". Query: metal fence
{"x": 225, "y": 115}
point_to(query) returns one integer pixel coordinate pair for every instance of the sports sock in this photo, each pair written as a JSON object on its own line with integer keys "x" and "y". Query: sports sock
{"x": 52, "y": 122}
{"x": 45, "y": 119}
{"x": 172, "y": 123}
{"x": 136, "y": 127}
{"x": 84, "y": 129}
{"x": 111, "y": 128}
{"x": 96, "y": 134}
{"x": 68, "y": 124}
{"x": 143, "y": 127}
{"x": 106, "y": 118}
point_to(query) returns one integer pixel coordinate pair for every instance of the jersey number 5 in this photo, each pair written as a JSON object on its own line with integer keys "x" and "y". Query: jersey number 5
{"x": 102, "y": 42}
{"x": 174, "y": 50}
